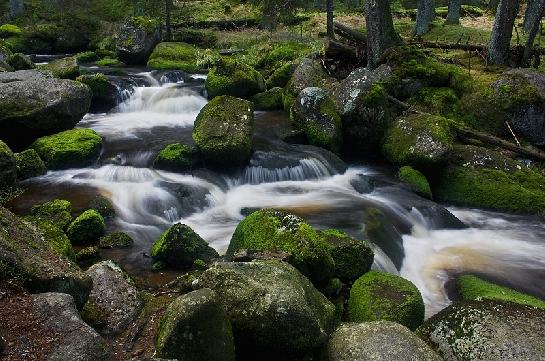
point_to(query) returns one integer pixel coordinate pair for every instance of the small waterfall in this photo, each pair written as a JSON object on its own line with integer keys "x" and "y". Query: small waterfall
{"x": 166, "y": 99}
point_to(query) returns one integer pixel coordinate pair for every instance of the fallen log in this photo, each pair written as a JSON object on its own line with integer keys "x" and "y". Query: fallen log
{"x": 350, "y": 34}
{"x": 336, "y": 50}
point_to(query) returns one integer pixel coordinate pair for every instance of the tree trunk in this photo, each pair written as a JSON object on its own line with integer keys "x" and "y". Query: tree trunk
{"x": 498, "y": 48}
{"x": 16, "y": 8}
{"x": 493, "y": 5}
{"x": 424, "y": 16}
{"x": 168, "y": 24}
{"x": 533, "y": 13}
{"x": 330, "y": 31}
{"x": 454, "y": 9}
{"x": 380, "y": 30}
{"x": 534, "y": 29}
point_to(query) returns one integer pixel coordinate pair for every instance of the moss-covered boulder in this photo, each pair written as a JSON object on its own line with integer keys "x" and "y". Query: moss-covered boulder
{"x": 180, "y": 247}
{"x": 419, "y": 140}
{"x": 382, "y": 296}
{"x": 230, "y": 77}
{"x": 273, "y": 308}
{"x": 272, "y": 230}
{"x": 269, "y": 100}
{"x": 29, "y": 164}
{"x": 27, "y": 258}
{"x": 55, "y": 237}
{"x": 176, "y": 158}
{"x": 275, "y": 54}
{"x": 352, "y": 257}
{"x": 486, "y": 330}
{"x": 103, "y": 206}
{"x": 35, "y": 104}
{"x": 65, "y": 68}
{"x": 281, "y": 75}
{"x": 224, "y": 129}
{"x": 416, "y": 180}
{"x": 87, "y": 256}
{"x": 197, "y": 313}
{"x": 473, "y": 288}
{"x": 176, "y": 56}
{"x": 315, "y": 113}
{"x": 377, "y": 341}
{"x": 200, "y": 38}
{"x": 87, "y": 228}
{"x": 8, "y": 166}
{"x": 136, "y": 39}
{"x": 483, "y": 178}
{"x": 20, "y": 61}
{"x": 72, "y": 148}
{"x": 116, "y": 240}
{"x": 105, "y": 93}
{"x": 57, "y": 211}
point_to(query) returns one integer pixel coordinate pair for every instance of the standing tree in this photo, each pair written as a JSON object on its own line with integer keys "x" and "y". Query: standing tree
{"x": 533, "y": 13}
{"x": 329, "y": 8}
{"x": 380, "y": 30}
{"x": 168, "y": 13}
{"x": 454, "y": 9}
{"x": 424, "y": 16}
{"x": 539, "y": 10}
{"x": 500, "y": 41}
{"x": 16, "y": 8}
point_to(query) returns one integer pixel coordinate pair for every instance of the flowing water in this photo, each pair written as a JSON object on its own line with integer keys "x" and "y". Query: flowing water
{"x": 156, "y": 109}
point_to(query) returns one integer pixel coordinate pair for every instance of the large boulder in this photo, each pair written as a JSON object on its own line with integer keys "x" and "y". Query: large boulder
{"x": 224, "y": 129}
{"x": 272, "y": 230}
{"x": 488, "y": 331}
{"x": 195, "y": 327}
{"x": 27, "y": 257}
{"x": 65, "y": 68}
{"x": 48, "y": 325}
{"x": 383, "y": 296}
{"x": 230, "y": 77}
{"x": 315, "y": 113}
{"x": 376, "y": 341}
{"x": 69, "y": 149}
{"x": 8, "y": 167}
{"x": 35, "y": 104}
{"x": 114, "y": 295}
{"x": 416, "y": 181}
{"x": 136, "y": 40}
{"x": 180, "y": 247}
{"x": 273, "y": 308}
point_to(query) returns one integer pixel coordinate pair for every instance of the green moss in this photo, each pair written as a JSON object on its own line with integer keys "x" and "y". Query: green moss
{"x": 65, "y": 68}
{"x": 230, "y": 77}
{"x": 56, "y": 211}
{"x": 116, "y": 240}
{"x": 15, "y": 44}
{"x": 86, "y": 57}
{"x": 179, "y": 56}
{"x": 416, "y": 180}
{"x": 443, "y": 101}
{"x": 29, "y": 164}
{"x": 271, "y": 230}
{"x": 56, "y": 238}
{"x": 8, "y": 30}
{"x": 94, "y": 316}
{"x": 278, "y": 54}
{"x": 72, "y": 148}
{"x": 269, "y": 100}
{"x": 110, "y": 62}
{"x": 474, "y": 288}
{"x": 20, "y": 61}
{"x": 281, "y": 75}
{"x": 352, "y": 257}
{"x": 200, "y": 38}
{"x": 382, "y": 296}
{"x": 180, "y": 247}
{"x": 98, "y": 83}
{"x": 88, "y": 256}
{"x": 176, "y": 158}
{"x": 419, "y": 140}
{"x": 86, "y": 228}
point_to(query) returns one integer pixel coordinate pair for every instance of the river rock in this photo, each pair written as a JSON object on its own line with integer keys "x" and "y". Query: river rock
{"x": 20, "y": 61}
{"x": 223, "y": 131}
{"x": 35, "y": 104}
{"x": 377, "y": 341}
{"x": 195, "y": 327}
{"x": 136, "y": 40}
{"x": 65, "y": 68}
{"x": 316, "y": 114}
{"x": 177, "y": 158}
{"x": 29, "y": 164}
{"x": 230, "y": 77}
{"x": 57, "y": 211}
{"x": 105, "y": 93}
{"x": 8, "y": 167}
{"x": 273, "y": 308}
{"x": 115, "y": 294}
{"x": 28, "y": 258}
{"x": 382, "y": 232}
{"x": 488, "y": 331}
{"x": 87, "y": 228}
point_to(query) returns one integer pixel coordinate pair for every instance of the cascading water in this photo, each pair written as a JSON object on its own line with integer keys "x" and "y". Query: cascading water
{"x": 313, "y": 183}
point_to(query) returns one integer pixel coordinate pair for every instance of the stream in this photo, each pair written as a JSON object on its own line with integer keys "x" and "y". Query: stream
{"x": 157, "y": 109}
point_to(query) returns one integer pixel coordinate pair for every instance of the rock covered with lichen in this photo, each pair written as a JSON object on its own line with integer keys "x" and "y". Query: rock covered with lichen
{"x": 136, "y": 39}
{"x": 29, "y": 164}
{"x": 234, "y": 78}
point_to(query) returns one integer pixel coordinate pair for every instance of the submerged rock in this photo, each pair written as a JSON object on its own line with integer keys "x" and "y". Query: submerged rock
{"x": 195, "y": 327}
{"x": 230, "y": 77}
{"x": 377, "y": 341}
{"x": 35, "y": 104}
{"x": 136, "y": 40}
{"x": 274, "y": 309}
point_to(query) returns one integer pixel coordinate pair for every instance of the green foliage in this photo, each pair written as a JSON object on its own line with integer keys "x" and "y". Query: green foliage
{"x": 29, "y": 164}
{"x": 178, "y": 56}
{"x": 86, "y": 228}
{"x": 86, "y": 57}
{"x": 474, "y": 288}
{"x": 72, "y": 148}
{"x": 382, "y": 296}
{"x": 416, "y": 180}
{"x": 271, "y": 230}
{"x": 110, "y": 62}
{"x": 20, "y": 62}
{"x": 57, "y": 211}
{"x": 200, "y": 38}
{"x": 279, "y": 54}
{"x": 269, "y": 100}
{"x": 231, "y": 77}
{"x": 9, "y": 30}
{"x": 176, "y": 158}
